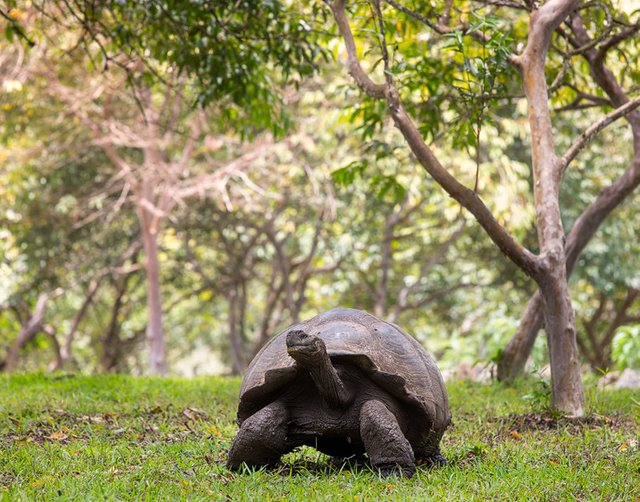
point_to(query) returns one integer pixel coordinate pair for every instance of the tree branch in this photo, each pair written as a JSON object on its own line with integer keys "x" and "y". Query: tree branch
{"x": 521, "y": 256}
{"x": 581, "y": 141}
{"x": 363, "y": 81}
{"x": 545, "y": 163}
{"x": 432, "y": 260}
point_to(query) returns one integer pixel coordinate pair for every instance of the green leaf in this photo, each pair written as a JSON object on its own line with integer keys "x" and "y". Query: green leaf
{"x": 346, "y": 175}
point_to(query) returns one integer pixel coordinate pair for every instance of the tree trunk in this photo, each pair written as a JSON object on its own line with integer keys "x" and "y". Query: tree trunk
{"x": 155, "y": 331}
{"x": 111, "y": 344}
{"x": 51, "y": 333}
{"x": 65, "y": 348}
{"x": 381, "y": 294}
{"x": 566, "y": 382}
{"x": 27, "y": 332}
{"x": 584, "y": 228}
{"x": 237, "y": 350}
{"x": 514, "y": 357}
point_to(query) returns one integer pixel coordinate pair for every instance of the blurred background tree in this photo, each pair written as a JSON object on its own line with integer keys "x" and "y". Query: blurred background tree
{"x": 272, "y": 190}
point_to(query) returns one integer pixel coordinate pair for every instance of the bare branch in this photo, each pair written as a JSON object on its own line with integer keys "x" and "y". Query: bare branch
{"x": 17, "y": 29}
{"x": 432, "y": 260}
{"x": 581, "y": 141}
{"x": 603, "y": 76}
{"x": 443, "y": 293}
{"x": 609, "y": 44}
{"x": 440, "y": 27}
{"x": 218, "y": 179}
{"x": 577, "y": 103}
{"x": 506, "y": 3}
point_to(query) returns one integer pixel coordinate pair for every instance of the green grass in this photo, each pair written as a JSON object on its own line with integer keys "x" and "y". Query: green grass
{"x": 128, "y": 438}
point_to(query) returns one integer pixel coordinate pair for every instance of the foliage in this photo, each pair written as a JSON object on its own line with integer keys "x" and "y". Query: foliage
{"x": 238, "y": 53}
{"x": 484, "y": 76}
{"x": 318, "y": 183}
{"x": 129, "y": 438}
{"x": 626, "y": 347}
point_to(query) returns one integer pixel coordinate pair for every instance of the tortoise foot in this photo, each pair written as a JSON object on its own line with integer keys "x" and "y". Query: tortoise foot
{"x": 437, "y": 460}
{"x": 396, "y": 470}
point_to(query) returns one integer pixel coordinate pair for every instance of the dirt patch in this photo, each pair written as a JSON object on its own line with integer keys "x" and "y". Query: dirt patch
{"x": 541, "y": 422}
{"x": 7, "y": 479}
{"x": 149, "y": 424}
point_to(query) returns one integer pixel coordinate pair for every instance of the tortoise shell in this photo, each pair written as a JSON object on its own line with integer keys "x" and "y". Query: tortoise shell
{"x": 393, "y": 359}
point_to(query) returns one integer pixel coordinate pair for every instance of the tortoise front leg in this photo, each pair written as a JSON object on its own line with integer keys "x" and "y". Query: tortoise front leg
{"x": 388, "y": 449}
{"x": 261, "y": 440}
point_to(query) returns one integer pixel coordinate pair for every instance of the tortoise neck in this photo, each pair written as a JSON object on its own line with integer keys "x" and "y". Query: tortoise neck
{"x": 329, "y": 383}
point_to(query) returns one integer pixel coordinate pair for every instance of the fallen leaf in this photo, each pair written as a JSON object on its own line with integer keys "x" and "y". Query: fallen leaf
{"x": 58, "y": 436}
{"x": 629, "y": 444}
{"x": 110, "y": 415}
{"x": 42, "y": 481}
{"x": 193, "y": 414}
{"x": 114, "y": 471}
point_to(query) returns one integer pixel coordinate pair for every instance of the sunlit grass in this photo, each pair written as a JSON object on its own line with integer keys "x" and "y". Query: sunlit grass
{"x": 118, "y": 437}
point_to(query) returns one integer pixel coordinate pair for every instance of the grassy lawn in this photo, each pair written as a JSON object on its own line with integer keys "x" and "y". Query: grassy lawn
{"x": 119, "y": 437}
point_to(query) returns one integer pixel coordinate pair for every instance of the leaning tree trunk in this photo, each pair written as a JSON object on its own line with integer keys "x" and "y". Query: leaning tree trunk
{"x": 515, "y": 355}
{"x": 28, "y": 331}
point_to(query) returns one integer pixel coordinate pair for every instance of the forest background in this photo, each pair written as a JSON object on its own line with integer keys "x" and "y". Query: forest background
{"x": 178, "y": 185}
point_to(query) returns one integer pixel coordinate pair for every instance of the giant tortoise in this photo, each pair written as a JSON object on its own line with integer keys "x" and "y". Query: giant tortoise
{"x": 346, "y": 383}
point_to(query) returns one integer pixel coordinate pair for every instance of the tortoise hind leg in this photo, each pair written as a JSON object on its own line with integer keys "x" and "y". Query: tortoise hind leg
{"x": 427, "y": 450}
{"x": 261, "y": 440}
{"x": 388, "y": 448}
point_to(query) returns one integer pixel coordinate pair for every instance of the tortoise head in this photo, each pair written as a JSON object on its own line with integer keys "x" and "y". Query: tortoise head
{"x": 306, "y": 349}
